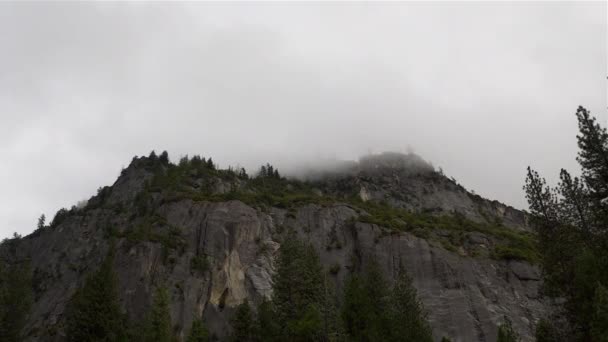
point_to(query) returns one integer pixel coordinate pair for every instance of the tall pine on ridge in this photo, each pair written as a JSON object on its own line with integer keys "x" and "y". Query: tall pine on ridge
{"x": 572, "y": 225}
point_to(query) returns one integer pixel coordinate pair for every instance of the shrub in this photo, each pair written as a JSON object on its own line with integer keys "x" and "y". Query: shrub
{"x": 199, "y": 264}
{"x": 335, "y": 269}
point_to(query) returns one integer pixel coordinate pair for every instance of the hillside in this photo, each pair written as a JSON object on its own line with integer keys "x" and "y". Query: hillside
{"x": 211, "y": 236}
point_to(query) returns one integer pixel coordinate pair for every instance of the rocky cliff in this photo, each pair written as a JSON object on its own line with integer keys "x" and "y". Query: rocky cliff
{"x": 211, "y": 237}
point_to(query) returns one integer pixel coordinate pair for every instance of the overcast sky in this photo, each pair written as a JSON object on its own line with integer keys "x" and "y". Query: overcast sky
{"x": 481, "y": 90}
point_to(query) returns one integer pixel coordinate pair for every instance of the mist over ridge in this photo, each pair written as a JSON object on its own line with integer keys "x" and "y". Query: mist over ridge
{"x": 315, "y": 169}
{"x": 92, "y": 84}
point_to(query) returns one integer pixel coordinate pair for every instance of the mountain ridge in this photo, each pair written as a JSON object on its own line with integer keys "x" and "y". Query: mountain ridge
{"x": 472, "y": 260}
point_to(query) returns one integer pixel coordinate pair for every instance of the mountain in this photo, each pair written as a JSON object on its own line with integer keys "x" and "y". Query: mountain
{"x": 210, "y": 237}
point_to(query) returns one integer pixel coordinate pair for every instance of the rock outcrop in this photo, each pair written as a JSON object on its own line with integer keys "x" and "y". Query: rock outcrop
{"x": 212, "y": 255}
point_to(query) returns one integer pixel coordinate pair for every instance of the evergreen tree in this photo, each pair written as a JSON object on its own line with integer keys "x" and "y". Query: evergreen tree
{"x": 266, "y": 324}
{"x": 15, "y": 299}
{"x": 210, "y": 164}
{"x": 263, "y": 171}
{"x": 183, "y": 161}
{"x": 545, "y": 332}
{"x": 355, "y": 308}
{"x": 153, "y": 157}
{"x": 572, "y": 225}
{"x": 41, "y": 221}
{"x": 196, "y": 161}
{"x": 407, "y": 315}
{"x": 333, "y": 329}
{"x": 297, "y": 283}
{"x": 378, "y": 291}
{"x": 62, "y": 214}
{"x": 299, "y": 297}
{"x": 506, "y": 332}
{"x": 599, "y": 323}
{"x": 302, "y": 306}
{"x": 198, "y": 332}
{"x": 243, "y": 324}
{"x": 308, "y": 327}
{"x": 164, "y": 158}
{"x": 373, "y": 311}
{"x": 366, "y": 301}
{"x": 593, "y": 157}
{"x": 574, "y": 207}
{"x": 540, "y": 198}
{"x": 94, "y": 312}
{"x": 158, "y": 327}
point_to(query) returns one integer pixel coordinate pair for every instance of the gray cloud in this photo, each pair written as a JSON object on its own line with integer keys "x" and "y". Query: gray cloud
{"x": 481, "y": 90}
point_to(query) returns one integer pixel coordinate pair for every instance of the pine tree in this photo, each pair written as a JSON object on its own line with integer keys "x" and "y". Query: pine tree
{"x": 210, "y": 164}
{"x": 541, "y": 198}
{"x": 333, "y": 329}
{"x": 41, "y": 221}
{"x": 593, "y": 157}
{"x": 158, "y": 327}
{"x": 198, "y": 332}
{"x": 545, "y": 332}
{"x": 506, "y": 332}
{"x": 164, "y": 158}
{"x": 263, "y": 172}
{"x": 243, "y": 173}
{"x": 599, "y": 323}
{"x": 574, "y": 207}
{"x": 15, "y": 299}
{"x": 571, "y": 221}
{"x": 196, "y": 161}
{"x": 366, "y": 305}
{"x": 407, "y": 315}
{"x": 266, "y": 325}
{"x": 355, "y": 309}
{"x": 243, "y": 324}
{"x": 184, "y": 161}
{"x": 94, "y": 312}
{"x": 298, "y": 295}
{"x": 153, "y": 157}
{"x": 373, "y": 311}
{"x": 302, "y": 306}
{"x": 377, "y": 291}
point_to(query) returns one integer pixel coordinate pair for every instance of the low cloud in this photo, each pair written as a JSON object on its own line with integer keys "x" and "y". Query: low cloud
{"x": 481, "y": 90}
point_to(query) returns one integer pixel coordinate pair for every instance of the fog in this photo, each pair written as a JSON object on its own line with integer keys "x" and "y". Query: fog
{"x": 479, "y": 89}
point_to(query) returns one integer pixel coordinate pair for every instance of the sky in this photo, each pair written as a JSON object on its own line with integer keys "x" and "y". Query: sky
{"x": 479, "y": 89}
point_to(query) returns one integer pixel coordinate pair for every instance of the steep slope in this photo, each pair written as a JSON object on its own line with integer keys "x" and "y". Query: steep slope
{"x": 210, "y": 236}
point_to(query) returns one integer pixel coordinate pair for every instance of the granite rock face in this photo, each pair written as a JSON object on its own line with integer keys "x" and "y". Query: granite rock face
{"x": 466, "y": 297}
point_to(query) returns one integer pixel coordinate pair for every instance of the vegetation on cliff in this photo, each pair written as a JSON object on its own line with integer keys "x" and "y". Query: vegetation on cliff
{"x": 195, "y": 179}
{"x": 304, "y": 306}
{"x": 572, "y": 224}
{"x": 15, "y": 297}
{"x": 373, "y": 310}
